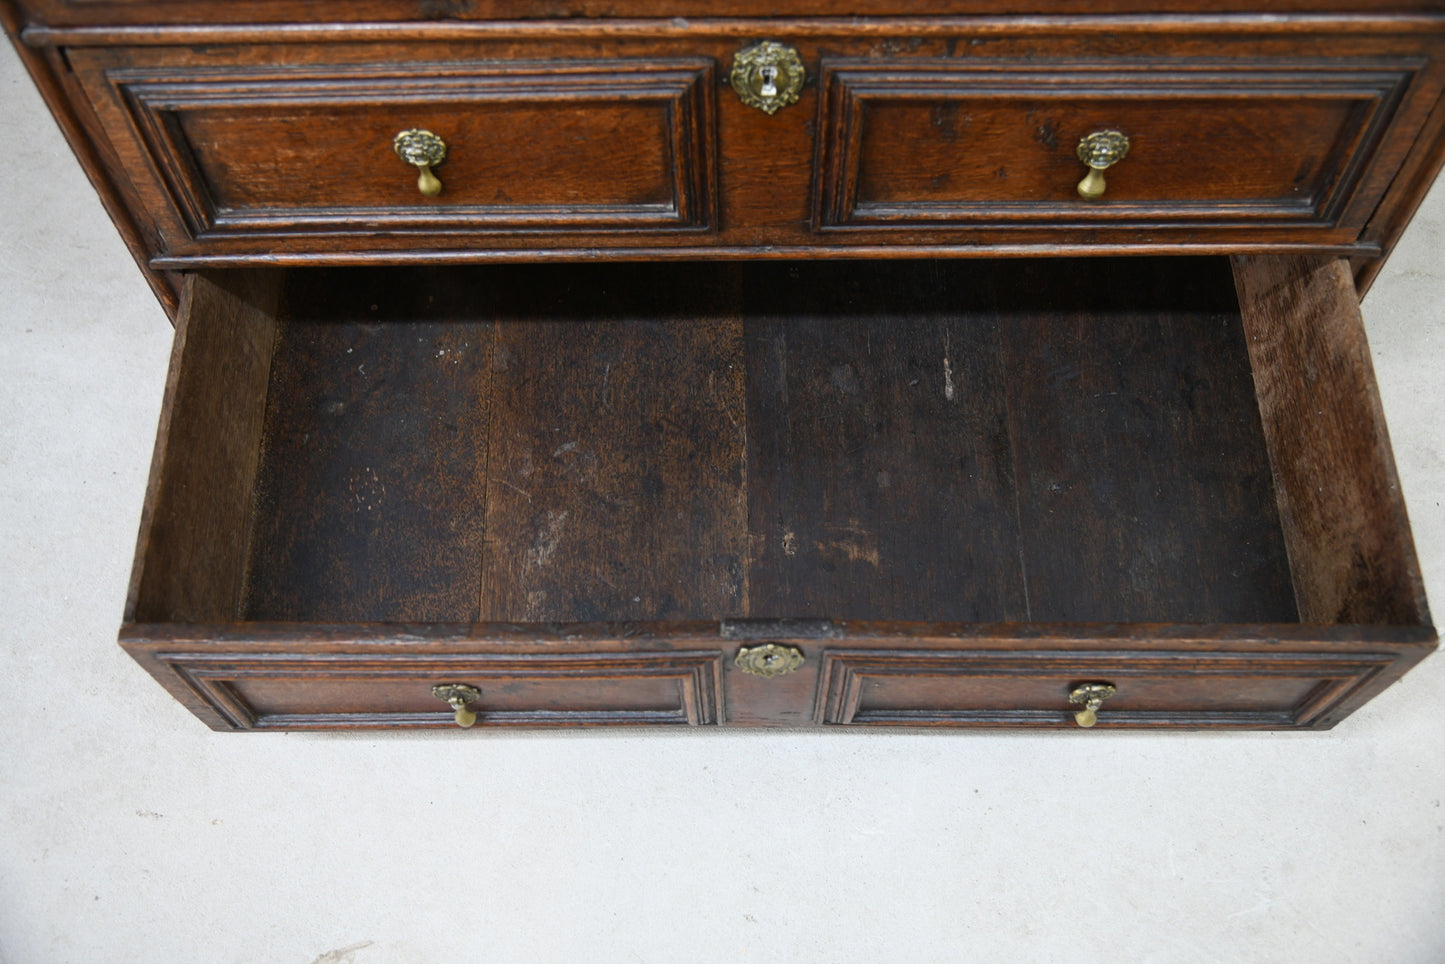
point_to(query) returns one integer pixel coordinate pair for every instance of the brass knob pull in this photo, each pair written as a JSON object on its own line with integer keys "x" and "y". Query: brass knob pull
{"x": 458, "y": 695}
{"x": 1092, "y": 695}
{"x": 769, "y": 659}
{"x": 768, "y": 76}
{"x": 1100, "y": 151}
{"x": 424, "y": 150}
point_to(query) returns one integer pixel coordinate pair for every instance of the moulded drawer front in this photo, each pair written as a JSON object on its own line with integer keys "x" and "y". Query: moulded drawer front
{"x": 287, "y": 691}
{"x": 1152, "y": 689}
{"x": 308, "y": 150}
{"x": 923, "y": 143}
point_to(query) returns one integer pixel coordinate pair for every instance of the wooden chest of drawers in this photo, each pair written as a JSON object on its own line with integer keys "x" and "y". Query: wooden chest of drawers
{"x": 657, "y": 407}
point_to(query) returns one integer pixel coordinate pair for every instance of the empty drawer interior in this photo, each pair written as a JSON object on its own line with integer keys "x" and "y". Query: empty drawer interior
{"x": 1045, "y": 441}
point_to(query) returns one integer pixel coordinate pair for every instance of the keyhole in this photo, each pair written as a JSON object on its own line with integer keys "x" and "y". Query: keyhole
{"x": 769, "y": 74}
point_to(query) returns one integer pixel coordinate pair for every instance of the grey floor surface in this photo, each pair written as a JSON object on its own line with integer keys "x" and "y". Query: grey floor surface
{"x": 131, "y": 833}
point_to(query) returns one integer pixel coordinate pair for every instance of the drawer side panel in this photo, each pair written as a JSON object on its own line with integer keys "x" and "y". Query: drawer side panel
{"x": 1343, "y": 515}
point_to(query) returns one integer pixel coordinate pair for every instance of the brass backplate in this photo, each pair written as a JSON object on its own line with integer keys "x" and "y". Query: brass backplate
{"x": 420, "y": 148}
{"x": 1091, "y": 693}
{"x": 768, "y": 76}
{"x": 457, "y": 694}
{"x": 769, "y": 659}
{"x": 1103, "y": 149}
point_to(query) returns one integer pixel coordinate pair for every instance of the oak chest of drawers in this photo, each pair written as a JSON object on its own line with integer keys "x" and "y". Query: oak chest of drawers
{"x": 811, "y": 364}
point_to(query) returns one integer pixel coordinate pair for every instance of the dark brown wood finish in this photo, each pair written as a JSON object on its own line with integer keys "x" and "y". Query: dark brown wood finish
{"x": 880, "y": 476}
{"x": 618, "y": 446}
{"x": 537, "y": 689}
{"x": 1403, "y": 198}
{"x": 1135, "y": 430}
{"x": 1211, "y": 106}
{"x": 1055, "y": 441}
{"x": 680, "y": 13}
{"x": 375, "y": 443}
{"x": 983, "y": 688}
{"x": 946, "y": 466}
{"x": 581, "y": 146}
{"x": 984, "y": 143}
{"x": 1310, "y": 676}
{"x": 959, "y": 488}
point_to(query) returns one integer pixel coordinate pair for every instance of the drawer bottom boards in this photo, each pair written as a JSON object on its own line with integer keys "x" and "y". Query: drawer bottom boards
{"x": 957, "y": 490}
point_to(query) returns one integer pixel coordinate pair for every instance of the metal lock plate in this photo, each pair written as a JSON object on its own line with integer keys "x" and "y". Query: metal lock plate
{"x": 768, "y": 76}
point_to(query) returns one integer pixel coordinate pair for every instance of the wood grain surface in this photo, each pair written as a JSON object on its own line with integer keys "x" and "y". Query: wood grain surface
{"x": 996, "y": 142}
{"x": 1070, "y": 441}
{"x": 678, "y": 12}
{"x": 1135, "y": 432}
{"x": 191, "y": 557}
{"x": 881, "y": 480}
{"x": 370, "y": 503}
{"x": 619, "y": 471}
{"x": 1339, "y": 497}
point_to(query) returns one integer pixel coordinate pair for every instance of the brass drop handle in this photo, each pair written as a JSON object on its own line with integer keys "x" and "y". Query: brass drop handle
{"x": 458, "y": 695}
{"x": 1101, "y": 150}
{"x": 423, "y": 150}
{"x": 1092, "y": 695}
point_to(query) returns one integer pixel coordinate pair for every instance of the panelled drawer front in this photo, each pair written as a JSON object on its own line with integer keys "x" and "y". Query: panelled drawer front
{"x": 987, "y": 688}
{"x": 276, "y": 691}
{"x": 584, "y": 141}
{"x": 594, "y": 146}
{"x": 930, "y": 143}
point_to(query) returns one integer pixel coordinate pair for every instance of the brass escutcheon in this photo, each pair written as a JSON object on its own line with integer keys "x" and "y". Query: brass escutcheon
{"x": 1092, "y": 695}
{"x": 1100, "y": 151}
{"x": 769, "y": 659}
{"x": 458, "y": 695}
{"x": 768, "y": 76}
{"x": 423, "y": 150}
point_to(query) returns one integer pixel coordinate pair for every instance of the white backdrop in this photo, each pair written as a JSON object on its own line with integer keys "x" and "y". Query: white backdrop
{"x": 129, "y": 832}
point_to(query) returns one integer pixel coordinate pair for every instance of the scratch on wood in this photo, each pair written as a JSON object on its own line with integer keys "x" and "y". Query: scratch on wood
{"x": 548, "y": 539}
{"x": 367, "y": 489}
{"x": 517, "y": 489}
{"x": 948, "y": 390}
{"x": 854, "y": 551}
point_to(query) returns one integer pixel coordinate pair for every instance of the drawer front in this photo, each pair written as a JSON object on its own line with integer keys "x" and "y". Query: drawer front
{"x": 304, "y": 151}
{"x": 587, "y": 142}
{"x": 982, "y": 688}
{"x": 287, "y": 691}
{"x": 929, "y": 143}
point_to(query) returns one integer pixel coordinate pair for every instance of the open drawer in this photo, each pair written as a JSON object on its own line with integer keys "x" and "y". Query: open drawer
{"x": 942, "y": 493}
